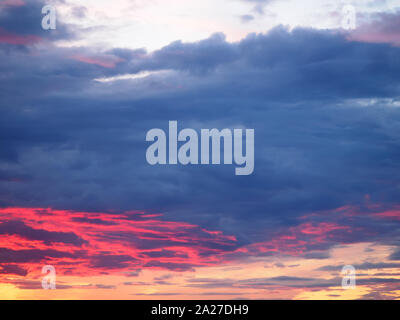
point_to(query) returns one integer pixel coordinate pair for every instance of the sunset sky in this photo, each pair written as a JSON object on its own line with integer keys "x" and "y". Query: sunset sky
{"x": 77, "y": 193}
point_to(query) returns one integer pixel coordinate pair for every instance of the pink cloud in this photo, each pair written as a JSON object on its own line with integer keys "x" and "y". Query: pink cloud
{"x": 105, "y": 62}
{"x": 12, "y": 38}
{"x": 375, "y": 37}
{"x": 104, "y": 242}
{"x": 384, "y": 29}
{"x": 12, "y": 3}
{"x": 300, "y": 239}
{"x": 389, "y": 214}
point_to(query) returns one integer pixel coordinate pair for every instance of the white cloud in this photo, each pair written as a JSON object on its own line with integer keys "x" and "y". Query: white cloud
{"x": 152, "y": 24}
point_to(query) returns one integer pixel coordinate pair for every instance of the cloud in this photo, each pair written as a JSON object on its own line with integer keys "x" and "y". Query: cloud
{"x": 106, "y": 62}
{"x": 126, "y": 242}
{"x": 173, "y": 266}
{"x": 15, "y": 3}
{"x": 259, "y": 5}
{"x": 26, "y": 284}
{"x": 381, "y": 27}
{"x": 11, "y": 38}
{"x": 165, "y": 253}
{"x": 282, "y": 282}
{"x": 13, "y": 269}
{"x": 21, "y": 229}
{"x": 395, "y": 255}
{"x": 325, "y": 110}
{"x": 30, "y": 255}
{"x": 300, "y": 149}
{"x": 246, "y": 18}
{"x": 364, "y": 266}
{"x": 377, "y": 296}
{"x": 105, "y": 286}
{"x": 164, "y": 277}
{"x": 112, "y": 261}
{"x": 20, "y": 24}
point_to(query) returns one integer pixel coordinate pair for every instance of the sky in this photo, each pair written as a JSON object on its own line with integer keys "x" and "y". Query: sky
{"x": 77, "y": 193}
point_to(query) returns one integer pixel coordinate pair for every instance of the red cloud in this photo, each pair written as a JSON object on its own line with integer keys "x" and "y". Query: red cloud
{"x": 85, "y": 243}
{"x": 92, "y": 243}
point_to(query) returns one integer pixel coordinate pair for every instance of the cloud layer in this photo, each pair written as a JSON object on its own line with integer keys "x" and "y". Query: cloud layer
{"x": 324, "y": 105}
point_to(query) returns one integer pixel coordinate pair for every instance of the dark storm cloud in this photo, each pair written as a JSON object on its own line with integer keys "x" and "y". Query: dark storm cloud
{"x": 149, "y": 240}
{"x": 165, "y": 254}
{"x": 173, "y": 266}
{"x": 48, "y": 237}
{"x": 324, "y": 110}
{"x": 202, "y": 56}
{"x": 94, "y": 221}
{"x": 111, "y": 261}
{"x": 26, "y": 20}
{"x": 31, "y": 255}
{"x": 13, "y": 269}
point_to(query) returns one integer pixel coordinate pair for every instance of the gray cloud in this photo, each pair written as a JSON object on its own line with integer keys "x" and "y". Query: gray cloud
{"x": 323, "y": 109}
